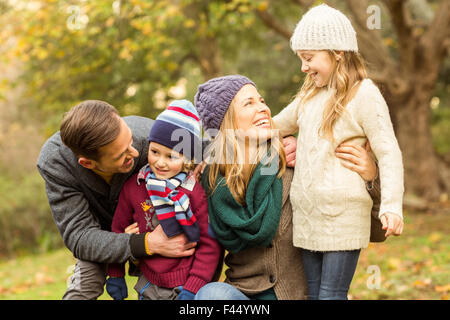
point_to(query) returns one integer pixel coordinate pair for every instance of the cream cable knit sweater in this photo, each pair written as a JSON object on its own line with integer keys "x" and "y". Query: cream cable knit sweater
{"x": 331, "y": 206}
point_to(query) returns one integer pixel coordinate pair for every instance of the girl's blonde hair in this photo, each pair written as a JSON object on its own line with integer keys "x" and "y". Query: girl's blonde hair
{"x": 349, "y": 70}
{"x": 229, "y": 157}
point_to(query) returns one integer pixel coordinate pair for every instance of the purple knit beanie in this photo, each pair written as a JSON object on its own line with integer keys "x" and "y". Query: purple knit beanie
{"x": 214, "y": 97}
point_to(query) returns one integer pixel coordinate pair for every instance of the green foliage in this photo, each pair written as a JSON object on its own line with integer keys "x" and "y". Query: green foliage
{"x": 25, "y": 220}
{"x": 123, "y": 52}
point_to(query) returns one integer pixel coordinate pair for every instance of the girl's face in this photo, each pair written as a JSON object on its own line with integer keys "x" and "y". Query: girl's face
{"x": 251, "y": 112}
{"x": 318, "y": 65}
{"x": 164, "y": 162}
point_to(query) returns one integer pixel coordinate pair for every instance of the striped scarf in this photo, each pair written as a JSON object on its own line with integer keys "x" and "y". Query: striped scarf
{"x": 171, "y": 205}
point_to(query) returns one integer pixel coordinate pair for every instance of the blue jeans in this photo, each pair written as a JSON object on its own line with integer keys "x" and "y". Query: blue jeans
{"x": 225, "y": 291}
{"x": 219, "y": 291}
{"x": 330, "y": 273}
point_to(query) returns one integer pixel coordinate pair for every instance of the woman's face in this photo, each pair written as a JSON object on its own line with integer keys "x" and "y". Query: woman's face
{"x": 252, "y": 115}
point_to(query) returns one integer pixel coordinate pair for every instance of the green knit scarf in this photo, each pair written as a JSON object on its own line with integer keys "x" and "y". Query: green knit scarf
{"x": 240, "y": 227}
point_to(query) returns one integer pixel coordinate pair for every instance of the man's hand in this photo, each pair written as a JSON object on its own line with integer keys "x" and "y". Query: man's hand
{"x": 174, "y": 247}
{"x": 290, "y": 148}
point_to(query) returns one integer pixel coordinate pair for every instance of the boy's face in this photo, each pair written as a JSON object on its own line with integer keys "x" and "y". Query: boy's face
{"x": 164, "y": 162}
{"x": 318, "y": 64}
{"x": 117, "y": 156}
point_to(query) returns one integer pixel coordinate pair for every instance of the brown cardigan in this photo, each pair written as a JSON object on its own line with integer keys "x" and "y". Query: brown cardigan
{"x": 279, "y": 266}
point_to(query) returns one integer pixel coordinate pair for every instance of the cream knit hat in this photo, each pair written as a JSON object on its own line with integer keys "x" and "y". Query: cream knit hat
{"x": 324, "y": 28}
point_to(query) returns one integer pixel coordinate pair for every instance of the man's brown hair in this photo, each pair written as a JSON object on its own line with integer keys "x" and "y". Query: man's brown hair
{"x": 89, "y": 126}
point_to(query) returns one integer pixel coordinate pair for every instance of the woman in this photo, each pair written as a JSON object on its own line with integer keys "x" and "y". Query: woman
{"x": 249, "y": 207}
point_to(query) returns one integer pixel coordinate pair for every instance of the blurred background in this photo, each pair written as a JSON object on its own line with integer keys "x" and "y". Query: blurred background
{"x": 140, "y": 54}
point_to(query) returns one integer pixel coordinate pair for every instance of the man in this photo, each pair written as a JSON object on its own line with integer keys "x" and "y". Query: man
{"x": 84, "y": 166}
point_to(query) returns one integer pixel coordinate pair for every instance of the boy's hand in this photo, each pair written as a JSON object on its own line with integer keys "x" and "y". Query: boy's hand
{"x": 185, "y": 295}
{"x": 290, "y": 149}
{"x": 392, "y": 223}
{"x": 132, "y": 228}
{"x": 117, "y": 288}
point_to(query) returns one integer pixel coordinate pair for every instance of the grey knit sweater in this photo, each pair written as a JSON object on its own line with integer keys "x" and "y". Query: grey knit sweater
{"x": 83, "y": 204}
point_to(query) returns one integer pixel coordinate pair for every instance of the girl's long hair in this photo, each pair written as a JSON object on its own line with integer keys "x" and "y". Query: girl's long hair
{"x": 229, "y": 157}
{"x": 345, "y": 79}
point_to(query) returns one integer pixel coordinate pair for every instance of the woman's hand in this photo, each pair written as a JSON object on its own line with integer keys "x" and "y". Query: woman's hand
{"x": 198, "y": 171}
{"x": 359, "y": 160}
{"x": 132, "y": 228}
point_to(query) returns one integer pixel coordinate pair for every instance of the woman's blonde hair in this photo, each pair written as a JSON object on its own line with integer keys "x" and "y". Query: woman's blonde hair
{"x": 229, "y": 156}
{"x": 349, "y": 70}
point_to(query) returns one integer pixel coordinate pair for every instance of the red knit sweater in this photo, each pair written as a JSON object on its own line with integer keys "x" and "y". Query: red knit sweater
{"x": 191, "y": 272}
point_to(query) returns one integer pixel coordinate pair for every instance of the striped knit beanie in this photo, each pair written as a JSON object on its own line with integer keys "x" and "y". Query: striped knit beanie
{"x": 214, "y": 97}
{"x": 324, "y": 28}
{"x": 178, "y": 128}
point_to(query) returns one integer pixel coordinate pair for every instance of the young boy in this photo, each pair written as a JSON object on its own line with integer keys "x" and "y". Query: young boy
{"x": 163, "y": 192}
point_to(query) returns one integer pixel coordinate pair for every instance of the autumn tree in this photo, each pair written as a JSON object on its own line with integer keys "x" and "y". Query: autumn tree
{"x": 125, "y": 52}
{"x": 406, "y": 68}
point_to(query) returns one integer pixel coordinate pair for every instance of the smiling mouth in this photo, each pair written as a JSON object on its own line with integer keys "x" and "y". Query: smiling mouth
{"x": 161, "y": 170}
{"x": 262, "y": 123}
{"x": 128, "y": 163}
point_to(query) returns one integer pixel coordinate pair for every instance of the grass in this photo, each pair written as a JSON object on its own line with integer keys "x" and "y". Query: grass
{"x": 415, "y": 265}
{"x": 42, "y": 277}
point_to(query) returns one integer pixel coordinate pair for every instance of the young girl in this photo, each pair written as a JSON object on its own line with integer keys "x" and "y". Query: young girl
{"x": 164, "y": 193}
{"x": 337, "y": 103}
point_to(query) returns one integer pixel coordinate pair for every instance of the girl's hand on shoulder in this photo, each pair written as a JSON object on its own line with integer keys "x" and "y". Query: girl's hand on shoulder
{"x": 132, "y": 228}
{"x": 358, "y": 160}
{"x": 392, "y": 223}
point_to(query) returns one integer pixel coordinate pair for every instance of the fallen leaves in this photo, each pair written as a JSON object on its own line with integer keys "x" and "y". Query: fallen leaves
{"x": 435, "y": 237}
{"x": 421, "y": 283}
{"x": 394, "y": 263}
{"x": 415, "y": 265}
{"x": 39, "y": 279}
{"x": 444, "y": 288}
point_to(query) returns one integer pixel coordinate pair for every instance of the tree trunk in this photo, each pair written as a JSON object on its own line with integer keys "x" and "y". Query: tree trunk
{"x": 209, "y": 58}
{"x": 206, "y": 52}
{"x": 411, "y": 119}
{"x": 407, "y": 83}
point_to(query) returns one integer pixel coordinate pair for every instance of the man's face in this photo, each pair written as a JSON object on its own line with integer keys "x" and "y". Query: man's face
{"x": 117, "y": 156}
